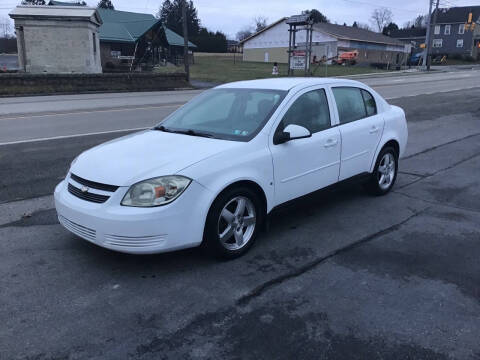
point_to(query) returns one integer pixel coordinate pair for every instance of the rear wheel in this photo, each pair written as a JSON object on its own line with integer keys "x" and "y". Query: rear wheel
{"x": 233, "y": 223}
{"x": 385, "y": 173}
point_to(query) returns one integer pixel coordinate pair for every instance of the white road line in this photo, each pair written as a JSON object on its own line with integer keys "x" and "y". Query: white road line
{"x": 91, "y": 111}
{"x": 71, "y": 136}
{"x": 433, "y": 92}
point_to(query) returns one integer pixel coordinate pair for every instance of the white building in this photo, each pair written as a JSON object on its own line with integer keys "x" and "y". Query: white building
{"x": 57, "y": 39}
{"x": 271, "y": 44}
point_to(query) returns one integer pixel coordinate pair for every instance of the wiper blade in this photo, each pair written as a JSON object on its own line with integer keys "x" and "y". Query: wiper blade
{"x": 184, "y": 132}
{"x": 195, "y": 133}
{"x": 162, "y": 128}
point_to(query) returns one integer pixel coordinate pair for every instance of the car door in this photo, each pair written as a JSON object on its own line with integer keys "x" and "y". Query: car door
{"x": 361, "y": 129}
{"x": 304, "y": 165}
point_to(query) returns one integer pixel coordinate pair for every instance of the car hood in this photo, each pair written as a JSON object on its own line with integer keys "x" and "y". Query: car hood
{"x": 136, "y": 157}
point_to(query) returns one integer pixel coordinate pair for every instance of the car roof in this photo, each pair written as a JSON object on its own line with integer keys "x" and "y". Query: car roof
{"x": 286, "y": 83}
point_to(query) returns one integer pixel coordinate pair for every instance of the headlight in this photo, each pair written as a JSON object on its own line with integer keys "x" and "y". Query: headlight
{"x": 155, "y": 192}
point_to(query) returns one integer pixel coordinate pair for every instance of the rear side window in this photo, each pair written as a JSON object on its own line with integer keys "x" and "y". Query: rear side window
{"x": 350, "y": 104}
{"x": 310, "y": 110}
{"x": 370, "y": 104}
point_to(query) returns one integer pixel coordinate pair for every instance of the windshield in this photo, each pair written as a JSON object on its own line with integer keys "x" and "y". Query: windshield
{"x": 232, "y": 114}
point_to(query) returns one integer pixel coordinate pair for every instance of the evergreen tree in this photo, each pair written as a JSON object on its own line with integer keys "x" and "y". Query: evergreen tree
{"x": 33, "y": 2}
{"x": 171, "y": 15}
{"x": 316, "y": 16}
{"x": 105, "y": 4}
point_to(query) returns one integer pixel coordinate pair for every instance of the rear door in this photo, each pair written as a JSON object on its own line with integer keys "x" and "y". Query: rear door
{"x": 361, "y": 129}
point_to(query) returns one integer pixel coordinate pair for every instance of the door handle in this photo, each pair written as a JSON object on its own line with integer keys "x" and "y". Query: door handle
{"x": 331, "y": 142}
{"x": 374, "y": 129}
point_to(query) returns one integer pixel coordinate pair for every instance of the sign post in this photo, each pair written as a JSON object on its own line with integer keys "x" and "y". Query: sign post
{"x": 299, "y": 59}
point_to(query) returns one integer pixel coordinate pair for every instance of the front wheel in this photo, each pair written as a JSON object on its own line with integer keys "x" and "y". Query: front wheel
{"x": 385, "y": 173}
{"x": 233, "y": 223}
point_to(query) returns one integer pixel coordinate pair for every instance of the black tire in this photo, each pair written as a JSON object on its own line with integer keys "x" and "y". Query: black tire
{"x": 211, "y": 239}
{"x": 373, "y": 184}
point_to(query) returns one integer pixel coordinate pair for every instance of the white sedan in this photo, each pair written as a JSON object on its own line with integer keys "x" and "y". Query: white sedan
{"x": 211, "y": 172}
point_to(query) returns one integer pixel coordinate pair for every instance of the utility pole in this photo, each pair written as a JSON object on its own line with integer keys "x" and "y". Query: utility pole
{"x": 429, "y": 45}
{"x": 429, "y": 32}
{"x": 186, "y": 60}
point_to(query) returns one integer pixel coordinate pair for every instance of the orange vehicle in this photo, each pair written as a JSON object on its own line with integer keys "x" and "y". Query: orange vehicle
{"x": 347, "y": 58}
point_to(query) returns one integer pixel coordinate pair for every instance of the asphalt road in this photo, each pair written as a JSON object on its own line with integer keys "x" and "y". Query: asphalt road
{"x": 27, "y": 118}
{"x": 339, "y": 275}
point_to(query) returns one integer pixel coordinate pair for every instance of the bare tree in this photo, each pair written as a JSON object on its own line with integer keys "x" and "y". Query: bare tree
{"x": 259, "y": 22}
{"x": 419, "y": 22}
{"x": 5, "y": 27}
{"x": 363, "y": 26}
{"x": 244, "y": 33}
{"x": 380, "y": 18}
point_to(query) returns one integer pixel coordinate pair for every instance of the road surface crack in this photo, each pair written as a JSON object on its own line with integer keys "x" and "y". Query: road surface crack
{"x": 439, "y": 146}
{"x": 438, "y": 171}
{"x": 262, "y": 288}
{"x": 433, "y": 202}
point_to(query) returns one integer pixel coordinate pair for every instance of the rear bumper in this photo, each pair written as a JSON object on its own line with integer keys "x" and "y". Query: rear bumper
{"x": 134, "y": 230}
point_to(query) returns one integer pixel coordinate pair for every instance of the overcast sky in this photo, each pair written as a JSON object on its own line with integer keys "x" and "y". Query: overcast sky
{"x": 230, "y": 16}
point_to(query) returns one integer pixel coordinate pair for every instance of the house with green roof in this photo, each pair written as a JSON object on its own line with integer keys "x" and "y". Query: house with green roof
{"x": 126, "y": 36}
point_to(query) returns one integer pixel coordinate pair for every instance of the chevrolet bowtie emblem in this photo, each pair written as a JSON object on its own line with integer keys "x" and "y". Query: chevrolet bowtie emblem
{"x": 84, "y": 189}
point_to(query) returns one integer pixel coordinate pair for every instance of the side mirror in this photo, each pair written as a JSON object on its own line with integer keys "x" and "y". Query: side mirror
{"x": 291, "y": 132}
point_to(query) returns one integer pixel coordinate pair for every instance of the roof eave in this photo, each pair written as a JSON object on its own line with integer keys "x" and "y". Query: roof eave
{"x": 263, "y": 30}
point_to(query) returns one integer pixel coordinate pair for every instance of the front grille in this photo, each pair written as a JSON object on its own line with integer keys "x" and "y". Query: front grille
{"x": 93, "y": 184}
{"x": 88, "y": 196}
{"x": 77, "y": 229}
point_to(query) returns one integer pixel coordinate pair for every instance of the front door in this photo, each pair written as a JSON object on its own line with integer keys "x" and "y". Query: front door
{"x": 360, "y": 127}
{"x": 304, "y": 165}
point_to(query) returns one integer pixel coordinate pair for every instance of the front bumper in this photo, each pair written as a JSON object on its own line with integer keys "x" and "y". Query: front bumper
{"x": 131, "y": 229}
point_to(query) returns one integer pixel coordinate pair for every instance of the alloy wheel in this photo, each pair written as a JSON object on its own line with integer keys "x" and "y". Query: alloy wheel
{"x": 386, "y": 171}
{"x": 236, "y": 223}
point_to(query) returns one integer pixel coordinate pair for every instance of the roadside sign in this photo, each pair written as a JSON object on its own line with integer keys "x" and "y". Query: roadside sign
{"x": 298, "y": 60}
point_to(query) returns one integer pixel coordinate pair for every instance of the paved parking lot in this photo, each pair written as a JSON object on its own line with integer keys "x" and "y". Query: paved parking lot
{"x": 339, "y": 275}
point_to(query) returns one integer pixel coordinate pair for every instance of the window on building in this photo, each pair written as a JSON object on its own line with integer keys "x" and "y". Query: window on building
{"x": 461, "y": 29}
{"x": 94, "y": 43}
{"x": 460, "y": 43}
{"x": 448, "y": 29}
{"x": 437, "y": 43}
{"x": 350, "y": 104}
{"x": 437, "y": 29}
{"x": 310, "y": 110}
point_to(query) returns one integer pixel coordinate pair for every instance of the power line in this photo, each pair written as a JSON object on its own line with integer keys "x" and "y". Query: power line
{"x": 380, "y": 6}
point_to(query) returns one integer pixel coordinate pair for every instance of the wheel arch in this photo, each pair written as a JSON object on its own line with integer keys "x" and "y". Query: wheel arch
{"x": 393, "y": 142}
{"x": 254, "y": 186}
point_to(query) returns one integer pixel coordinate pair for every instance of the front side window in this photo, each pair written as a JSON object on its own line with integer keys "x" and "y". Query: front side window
{"x": 350, "y": 104}
{"x": 231, "y": 114}
{"x": 310, "y": 110}
{"x": 448, "y": 28}
{"x": 460, "y": 43}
